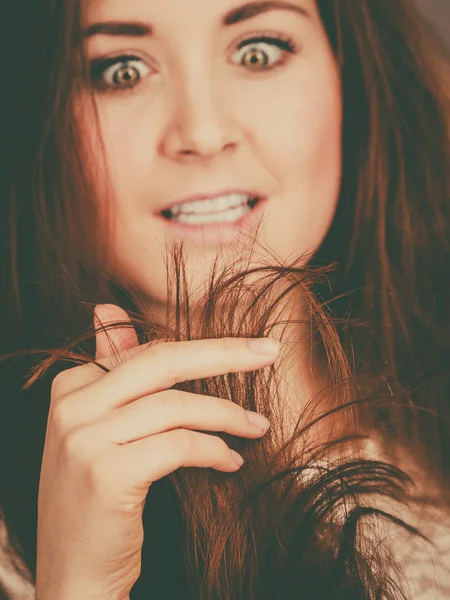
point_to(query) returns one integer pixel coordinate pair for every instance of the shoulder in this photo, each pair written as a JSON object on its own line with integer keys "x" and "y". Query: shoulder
{"x": 423, "y": 563}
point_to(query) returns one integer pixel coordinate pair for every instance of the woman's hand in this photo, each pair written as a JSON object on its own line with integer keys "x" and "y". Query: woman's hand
{"x": 109, "y": 436}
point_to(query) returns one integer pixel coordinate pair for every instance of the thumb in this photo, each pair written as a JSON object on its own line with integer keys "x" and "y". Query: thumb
{"x": 111, "y": 340}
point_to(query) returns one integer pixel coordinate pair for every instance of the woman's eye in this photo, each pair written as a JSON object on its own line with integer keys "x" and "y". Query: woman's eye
{"x": 118, "y": 73}
{"x": 262, "y": 52}
{"x": 122, "y": 73}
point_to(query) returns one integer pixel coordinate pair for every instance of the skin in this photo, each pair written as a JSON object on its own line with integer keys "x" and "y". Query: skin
{"x": 109, "y": 437}
{"x": 199, "y": 121}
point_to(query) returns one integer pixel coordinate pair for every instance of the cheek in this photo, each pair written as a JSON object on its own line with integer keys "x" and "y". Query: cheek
{"x": 297, "y": 124}
{"x": 297, "y": 130}
{"x": 129, "y": 139}
{"x": 116, "y": 145}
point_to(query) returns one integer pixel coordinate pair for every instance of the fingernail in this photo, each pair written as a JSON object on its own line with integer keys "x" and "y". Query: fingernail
{"x": 258, "y": 420}
{"x": 237, "y": 458}
{"x": 266, "y": 346}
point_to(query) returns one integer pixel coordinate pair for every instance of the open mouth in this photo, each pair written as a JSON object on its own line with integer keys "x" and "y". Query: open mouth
{"x": 230, "y": 208}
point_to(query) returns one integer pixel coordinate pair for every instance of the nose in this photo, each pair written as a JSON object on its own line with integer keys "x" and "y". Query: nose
{"x": 201, "y": 124}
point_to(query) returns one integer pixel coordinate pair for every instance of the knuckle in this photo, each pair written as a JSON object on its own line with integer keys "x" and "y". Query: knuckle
{"x": 229, "y": 411}
{"x": 59, "y": 385}
{"x": 220, "y": 452}
{"x": 178, "y": 399}
{"x": 79, "y": 449}
{"x": 69, "y": 380}
{"x": 64, "y": 414}
{"x": 230, "y": 343}
{"x": 186, "y": 447}
{"x": 222, "y": 446}
{"x": 127, "y": 354}
{"x": 58, "y": 418}
{"x": 184, "y": 442}
{"x": 232, "y": 410}
{"x": 163, "y": 352}
{"x": 189, "y": 446}
{"x": 166, "y": 355}
{"x": 74, "y": 443}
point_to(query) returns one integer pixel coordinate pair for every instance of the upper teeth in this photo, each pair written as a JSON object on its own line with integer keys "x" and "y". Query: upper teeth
{"x": 211, "y": 205}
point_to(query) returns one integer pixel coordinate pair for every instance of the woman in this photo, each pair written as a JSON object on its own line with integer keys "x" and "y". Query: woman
{"x": 293, "y": 159}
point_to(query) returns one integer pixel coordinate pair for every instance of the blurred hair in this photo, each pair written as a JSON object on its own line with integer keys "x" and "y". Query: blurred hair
{"x": 292, "y": 523}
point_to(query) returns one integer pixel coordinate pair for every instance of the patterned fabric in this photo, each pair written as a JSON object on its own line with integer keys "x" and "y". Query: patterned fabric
{"x": 427, "y": 570}
{"x": 15, "y": 579}
{"x": 426, "y": 567}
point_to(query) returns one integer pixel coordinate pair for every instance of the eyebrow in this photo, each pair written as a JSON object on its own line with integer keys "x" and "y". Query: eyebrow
{"x": 236, "y": 15}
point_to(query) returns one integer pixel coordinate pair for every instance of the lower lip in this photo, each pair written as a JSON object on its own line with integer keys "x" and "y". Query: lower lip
{"x": 212, "y": 234}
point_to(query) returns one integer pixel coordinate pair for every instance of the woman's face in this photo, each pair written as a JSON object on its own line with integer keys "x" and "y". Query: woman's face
{"x": 206, "y": 98}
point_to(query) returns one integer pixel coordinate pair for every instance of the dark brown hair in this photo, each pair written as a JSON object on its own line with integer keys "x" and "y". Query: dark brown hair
{"x": 376, "y": 292}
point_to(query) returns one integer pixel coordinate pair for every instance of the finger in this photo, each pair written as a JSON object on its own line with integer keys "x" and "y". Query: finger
{"x": 174, "y": 409}
{"x": 112, "y": 340}
{"x": 139, "y": 464}
{"x": 76, "y": 378}
{"x": 161, "y": 366}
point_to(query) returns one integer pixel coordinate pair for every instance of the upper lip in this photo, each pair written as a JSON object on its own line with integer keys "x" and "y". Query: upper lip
{"x": 206, "y": 195}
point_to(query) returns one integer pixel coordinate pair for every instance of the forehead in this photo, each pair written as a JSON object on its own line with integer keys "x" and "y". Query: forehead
{"x": 219, "y": 12}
